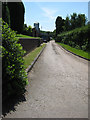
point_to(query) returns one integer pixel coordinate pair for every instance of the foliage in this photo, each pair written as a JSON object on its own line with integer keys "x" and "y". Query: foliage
{"x": 13, "y": 14}
{"x": 81, "y": 20}
{"x": 74, "y": 50}
{"x": 17, "y": 11}
{"x": 27, "y": 30}
{"x": 5, "y": 13}
{"x": 77, "y": 38}
{"x": 67, "y": 24}
{"x": 32, "y": 55}
{"x": 59, "y": 25}
{"x": 14, "y": 75}
{"x": 75, "y": 21}
{"x": 52, "y": 34}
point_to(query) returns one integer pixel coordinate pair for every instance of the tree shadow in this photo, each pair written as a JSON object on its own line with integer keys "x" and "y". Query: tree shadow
{"x": 9, "y": 104}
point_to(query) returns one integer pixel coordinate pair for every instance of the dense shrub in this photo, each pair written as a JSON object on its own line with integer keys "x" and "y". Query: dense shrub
{"x": 77, "y": 38}
{"x": 13, "y": 71}
{"x": 27, "y": 30}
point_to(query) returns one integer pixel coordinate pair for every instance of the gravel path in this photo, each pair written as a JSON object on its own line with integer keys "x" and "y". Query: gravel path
{"x": 58, "y": 87}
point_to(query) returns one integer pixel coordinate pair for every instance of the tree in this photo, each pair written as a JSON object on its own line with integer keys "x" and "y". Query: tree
{"x": 54, "y": 34}
{"x": 17, "y": 11}
{"x": 13, "y": 14}
{"x": 27, "y": 30}
{"x": 67, "y": 24}
{"x": 73, "y": 21}
{"x": 77, "y": 20}
{"x": 81, "y": 20}
{"x": 5, "y": 13}
{"x": 59, "y": 25}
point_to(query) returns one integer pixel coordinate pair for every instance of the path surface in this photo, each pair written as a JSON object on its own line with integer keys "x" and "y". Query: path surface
{"x": 58, "y": 87}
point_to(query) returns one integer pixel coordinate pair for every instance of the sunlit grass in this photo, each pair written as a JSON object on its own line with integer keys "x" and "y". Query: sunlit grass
{"x": 76, "y": 51}
{"x": 32, "y": 55}
{"x": 24, "y": 36}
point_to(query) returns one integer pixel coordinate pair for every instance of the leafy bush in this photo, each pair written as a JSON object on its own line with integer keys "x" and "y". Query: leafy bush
{"x": 77, "y": 47}
{"x": 27, "y": 30}
{"x": 77, "y": 38}
{"x": 13, "y": 70}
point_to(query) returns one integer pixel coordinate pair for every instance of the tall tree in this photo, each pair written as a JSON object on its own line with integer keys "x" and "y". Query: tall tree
{"x": 5, "y": 13}
{"x": 59, "y": 25}
{"x": 67, "y": 24}
{"x": 17, "y": 11}
{"x": 73, "y": 21}
{"x": 81, "y": 20}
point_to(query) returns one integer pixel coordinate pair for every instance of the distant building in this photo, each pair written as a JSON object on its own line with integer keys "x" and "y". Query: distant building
{"x": 36, "y": 30}
{"x": 36, "y": 26}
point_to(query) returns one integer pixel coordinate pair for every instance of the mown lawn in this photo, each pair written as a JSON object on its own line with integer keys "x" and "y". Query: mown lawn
{"x": 32, "y": 55}
{"x": 76, "y": 51}
{"x": 24, "y": 36}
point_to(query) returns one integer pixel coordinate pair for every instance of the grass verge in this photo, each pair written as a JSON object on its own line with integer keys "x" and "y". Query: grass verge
{"x": 76, "y": 51}
{"x": 24, "y": 36}
{"x": 32, "y": 55}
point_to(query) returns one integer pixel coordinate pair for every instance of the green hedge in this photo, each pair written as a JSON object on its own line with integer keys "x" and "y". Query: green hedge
{"x": 13, "y": 70}
{"x": 77, "y": 38}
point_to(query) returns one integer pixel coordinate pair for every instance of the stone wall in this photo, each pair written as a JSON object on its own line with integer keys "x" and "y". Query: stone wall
{"x": 30, "y": 44}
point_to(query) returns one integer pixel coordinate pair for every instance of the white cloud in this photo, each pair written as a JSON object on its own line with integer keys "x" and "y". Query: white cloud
{"x": 49, "y": 13}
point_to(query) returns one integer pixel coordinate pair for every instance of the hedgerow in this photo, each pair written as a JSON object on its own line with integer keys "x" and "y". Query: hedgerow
{"x": 14, "y": 77}
{"x": 77, "y": 38}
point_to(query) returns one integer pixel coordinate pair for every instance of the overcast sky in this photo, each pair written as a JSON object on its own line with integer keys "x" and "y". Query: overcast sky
{"x": 46, "y": 12}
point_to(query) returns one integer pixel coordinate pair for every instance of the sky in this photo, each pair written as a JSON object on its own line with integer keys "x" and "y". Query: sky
{"x": 46, "y": 12}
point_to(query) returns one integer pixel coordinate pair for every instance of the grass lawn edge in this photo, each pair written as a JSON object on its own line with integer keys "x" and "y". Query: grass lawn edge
{"x": 32, "y": 57}
{"x": 26, "y": 36}
{"x": 77, "y": 52}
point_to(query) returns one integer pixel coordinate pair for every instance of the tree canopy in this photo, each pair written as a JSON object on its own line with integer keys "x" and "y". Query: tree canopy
{"x": 13, "y": 14}
{"x": 70, "y": 23}
{"x": 59, "y": 24}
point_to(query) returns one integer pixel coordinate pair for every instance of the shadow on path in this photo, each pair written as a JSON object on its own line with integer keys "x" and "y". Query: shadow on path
{"x": 9, "y": 105}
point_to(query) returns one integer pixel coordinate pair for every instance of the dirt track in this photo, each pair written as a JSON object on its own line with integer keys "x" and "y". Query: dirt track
{"x": 58, "y": 87}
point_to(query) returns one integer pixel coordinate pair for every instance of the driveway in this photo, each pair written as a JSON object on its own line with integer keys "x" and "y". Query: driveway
{"x": 58, "y": 87}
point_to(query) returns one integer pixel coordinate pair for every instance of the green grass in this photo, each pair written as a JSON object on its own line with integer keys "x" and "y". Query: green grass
{"x": 76, "y": 51}
{"x": 24, "y": 36}
{"x": 32, "y": 55}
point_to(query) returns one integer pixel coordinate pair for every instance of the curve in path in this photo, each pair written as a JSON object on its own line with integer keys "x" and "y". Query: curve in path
{"x": 58, "y": 87}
